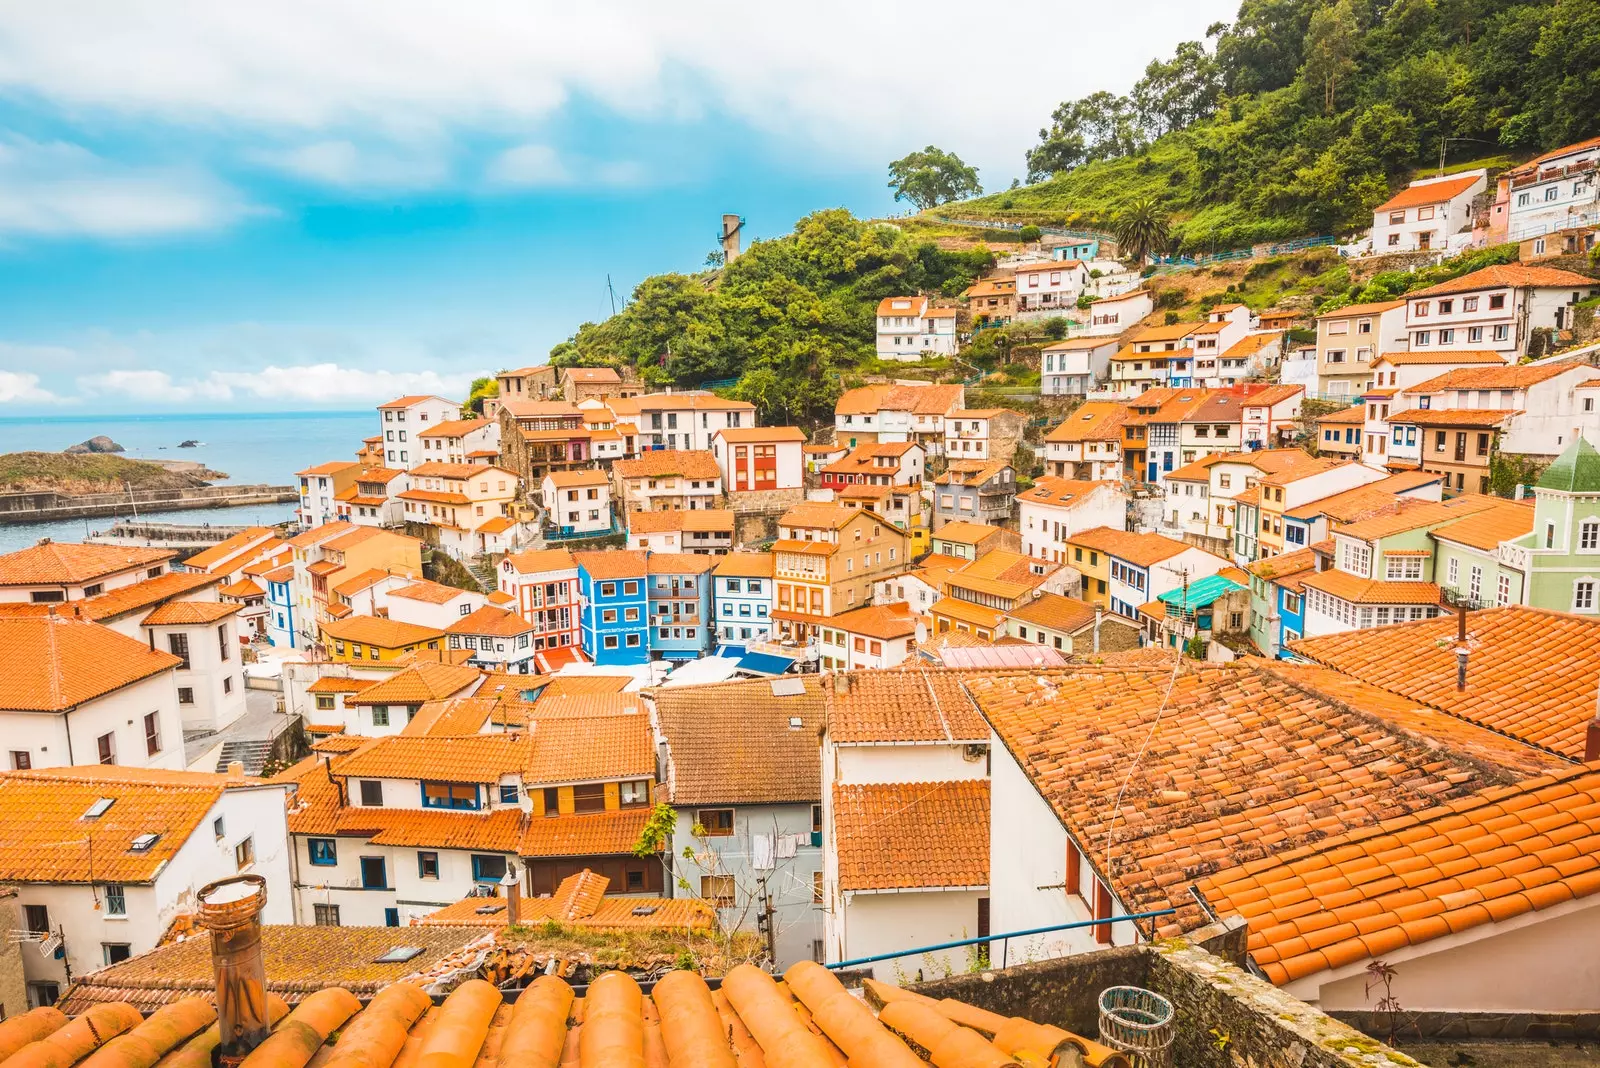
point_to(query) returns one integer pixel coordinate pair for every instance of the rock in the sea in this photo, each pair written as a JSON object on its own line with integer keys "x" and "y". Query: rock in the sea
{"x": 98, "y": 443}
{"x": 190, "y": 443}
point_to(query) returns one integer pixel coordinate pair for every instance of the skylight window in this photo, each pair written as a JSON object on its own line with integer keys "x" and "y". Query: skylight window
{"x": 143, "y": 843}
{"x": 399, "y": 954}
{"x": 98, "y": 809}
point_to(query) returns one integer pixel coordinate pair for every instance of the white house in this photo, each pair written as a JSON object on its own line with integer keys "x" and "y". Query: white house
{"x": 1551, "y": 410}
{"x": 1269, "y": 416}
{"x": 498, "y": 639}
{"x": 1073, "y": 367}
{"x": 1055, "y": 509}
{"x": 459, "y": 501}
{"x": 461, "y": 441}
{"x": 1050, "y": 288}
{"x": 877, "y": 636}
{"x": 402, "y": 419}
{"x": 1088, "y": 442}
{"x": 742, "y": 597}
{"x": 908, "y": 328}
{"x": 759, "y": 458}
{"x": 1496, "y": 308}
{"x": 1225, "y": 327}
{"x": 890, "y": 785}
{"x": 578, "y": 502}
{"x": 429, "y": 604}
{"x": 706, "y": 531}
{"x": 320, "y": 489}
{"x": 204, "y": 636}
{"x": 1430, "y": 213}
{"x": 1113, "y": 315}
{"x": 52, "y": 571}
{"x": 982, "y": 433}
{"x": 687, "y": 420}
{"x": 904, "y": 412}
{"x": 1402, "y": 370}
{"x": 373, "y": 499}
{"x": 1553, "y": 192}
{"x": 157, "y": 838}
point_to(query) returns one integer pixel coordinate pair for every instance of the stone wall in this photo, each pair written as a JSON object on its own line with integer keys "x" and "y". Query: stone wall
{"x": 13, "y": 987}
{"x": 38, "y": 507}
{"x": 756, "y": 513}
{"x": 1224, "y": 1017}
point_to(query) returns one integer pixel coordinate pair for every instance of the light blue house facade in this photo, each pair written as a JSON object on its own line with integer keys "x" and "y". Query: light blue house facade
{"x": 1277, "y": 600}
{"x": 1075, "y": 248}
{"x": 280, "y": 607}
{"x": 741, "y": 596}
{"x": 681, "y": 625}
{"x": 614, "y": 606}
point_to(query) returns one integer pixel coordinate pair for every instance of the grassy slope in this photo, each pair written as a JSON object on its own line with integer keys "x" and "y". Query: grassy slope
{"x": 83, "y": 473}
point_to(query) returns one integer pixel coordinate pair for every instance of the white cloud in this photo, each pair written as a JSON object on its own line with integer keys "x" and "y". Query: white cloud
{"x": 528, "y": 165}
{"x": 343, "y": 163}
{"x": 320, "y": 383}
{"x": 18, "y": 387}
{"x": 867, "y": 81}
{"x": 152, "y": 387}
{"x": 57, "y": 188}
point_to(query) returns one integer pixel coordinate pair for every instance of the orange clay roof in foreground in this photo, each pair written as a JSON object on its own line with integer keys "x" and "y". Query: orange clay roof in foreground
{"x": 65, "y": 563}
{"x": 1549, "y": 709}
{"x": 1249, "y": 761}
{"x": 55, "y": 663}
{"x": 579, "y": 902}
{"x": 901, "y": 705}
{"x": 1485, "y": 858}
{"x": 912, "y": 835}
{"x": 738, "y": 742}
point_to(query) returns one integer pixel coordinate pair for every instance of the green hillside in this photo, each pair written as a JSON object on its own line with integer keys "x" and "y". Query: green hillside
{"x": 1303, "y": 114}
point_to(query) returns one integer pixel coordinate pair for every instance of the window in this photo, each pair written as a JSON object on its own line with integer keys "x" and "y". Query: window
{"x": 217, "y": 828}
{"x": 488, "y": 868}
{"x": 1497, "y": 301}
{"x": 244, "y": 854}
{"x": 590, "y": 797}
{"x": 222, "y": 641}
{"x": 324, "y": 852}
{"x": 178, "y": 646}
{"x": 227, "y": 684}
{"x": 634, "y": 793}
{"x": 427, "y": 864}
{"x": 716, "y": 822}
{"x": 1355, "y": 557}
{"x": 106, "y": 744}
{"x": 1583, "y": 595}
{"x": 21, "y": 760}
{"x": 1469, "y": 304}
{"x": 1502, "y": 595}
{"x": 508, "y": 793}
{"x": 1403, "y": 568}
{"x": 152, "y": 733}
{"x": 37, "y": 918}
{"x": 718, "y": 890}
{"x": 816, "y": 888}
{"x": 1589, "y": 535}
{"x": 114, "y": 952}
{"x": 1475, "y": 582}
{"x": 449, "y": 795}
{"x": 116, "y": 900}
{"x": 1454, "y": 571}
{"x": 325, "y": 915}
{"x": 372, "y": 793}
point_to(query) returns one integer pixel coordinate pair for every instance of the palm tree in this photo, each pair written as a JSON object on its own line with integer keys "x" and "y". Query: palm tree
{"x": 1142, "y": 230}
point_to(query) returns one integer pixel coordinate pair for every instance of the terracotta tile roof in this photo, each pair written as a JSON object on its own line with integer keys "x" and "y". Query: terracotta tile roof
{"x": 1277, "y": 569}
{"x": 613, "y": 564}
{"x": 1141, "y": 550}
{"x": 1418, "y": 194}
{"x": 762, "y": 434}
{"x": 968, "y": 472}
{"x": 1487, "y": 858}
{"x": 1476, "y": 417}
{"x": 1533, "y": 164}
{"x": 451, "y": 717}
{"x": 1060, "y": 492}
{"x": 1363, "y": 502}
{"x": 1242, "y": 766}
{"x": 578, "y": 902}
{"x": 491, "y": 620}
{"x": 1168, "y": 332}
{"x": 453, "y": 428}
{"x": 696, "y": 520}
{"x": 745, "y": 565}
{"x": 913, "y": 306}
{"x": 734, "y": 742}
{"x": 1248, "y": 346}
{"x": 1417, "y": 660}
{"x": 1091, "y": 421}
{"x": 299, "y": 961}
{"x": 482, "y": 758}
{"x": 680, "y": 563}
{"x": 670, "y": 463}
{"x": 582, "y": 748}
{"x": 912, "y": 835}
{"x": 332, "y": 467}
{"x": 568, "y": 479}
{"x": 965, "y": 533}
{"x": 1508, "y": 274}
{"x": 1431, "y": 359}
{"x": 55, "y": 663}
{"x": 541, "y": 560}
{"x": 428, "y": 592}
{"x": 65, "y": 563}
{"x": 981, "y": 413}
{"x": 242, "y": 588}
{"x": 1055, "y": 612}
{"x": 1377, "y": 308}
{"x": 591, "y": 834}
{"x": 413, "y": 398}
{"x": 364, "y": 581}
{"x": 339, "y": 684}
{"x": 693, "y": 401}
{"x": 434, "y": 497}
{"x": 901, "y": 705}
{"x": 189, "y": 613}
{"x": 975, "y": 615}
{"x": 140, "y": 595}
{"x": 422, "y": 681}
{"x": 1413, "y": 514}
{"x": 385, "y": 633}
{"x": 463, "y": 472}
{"x": 46, "y": 833}
{"x": 228, "y": 547}
{"x": 818, "y": 516}
{"x": 1357, "y": 590}
{"x": 885, "y": 621}
{"x": 1506, "y": 376}
{"x": 1315, "y": 465}
{"x": 1488, "y": 528}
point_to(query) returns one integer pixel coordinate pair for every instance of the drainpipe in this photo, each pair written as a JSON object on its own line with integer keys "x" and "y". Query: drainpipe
{"x": 231, "y": 910}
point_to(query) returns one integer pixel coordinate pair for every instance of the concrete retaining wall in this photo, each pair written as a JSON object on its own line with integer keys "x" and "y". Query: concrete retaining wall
{"x": 48, "y": 506}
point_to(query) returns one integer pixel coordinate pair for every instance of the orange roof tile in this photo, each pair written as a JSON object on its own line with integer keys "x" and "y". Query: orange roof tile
{"x": 1141, "y": 550}
{"x": 901, "y": 705}
{"x": 189, "y": 613}
{"x": 1505, "y": 376}
{"x": 1417, "y": 660}
{"x": 242, "y": 588}
{"x": 1431, "y": 359}
{"x": 1475, "y": 417}
{"x": 975, "y": 615}
{"x": 1363, "y": 502}
{"x": 1375, "y": 308}
{"x": 423, "y": 681}
{"x": 365, "y": 580}
{"x": 1091, "y": 421}
{"x": 481, "y": 758}
{"x": 818, "y": 516}
{"x": 384, "y": 633}
{"x": 228, "y": 547}
{"x": 670, "y": 463}
{"x": 1488, "y": 528}
{"x": 1487, "y": 858}
{"x": 1357, "y": 590}
{"x": 686, "y": 520}
{"x": 913, "y": 306}
{"x": 339, "y": 684}
{"x": 680, "y": 563}
{"x": 491, "y": 620}
{"x": 584, "y": 748}
{"x": 965, "y": 533}
{"x": 590, "y": 834}
{"x": 140, "y": 595}
{"x": 453, "y": 428}
{"x": 1407, "y": 513}
{"x": 885, "y": 621}
{"x": 738, "y": 742}
{"x": 912, "y": 835}
{"x": 413, "y": 398}
{"x": 64, "y": 563}
{"x": 55, "y": 663}
{"x": 1055, "y": 612}
{"x": 613, "y": 564}
{"x": 745, "y": 565}
{"x": 1508, "y": 274}
{"x": 1060, "y": 492}
{"x": 428, "y": 592}
{"x": 541, "y": 560}
{"x": 570, "y": 479}
{"x": 761, "y": 434}
{"x": 1418, "y": 194}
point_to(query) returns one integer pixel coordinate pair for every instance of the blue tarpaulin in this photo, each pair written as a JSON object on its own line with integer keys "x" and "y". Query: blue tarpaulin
{"x": 765, "y": 663}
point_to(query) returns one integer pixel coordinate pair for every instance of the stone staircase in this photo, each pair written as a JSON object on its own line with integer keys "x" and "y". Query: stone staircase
{"x": 252, "y": 754}
{"x": 483, "y": 570}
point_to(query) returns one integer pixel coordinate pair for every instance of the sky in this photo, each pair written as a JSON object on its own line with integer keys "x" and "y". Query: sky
{"x": 326, "y": 203}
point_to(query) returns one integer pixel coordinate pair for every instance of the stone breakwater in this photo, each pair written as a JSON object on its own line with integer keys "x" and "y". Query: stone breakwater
{"x": 42, "y": 506}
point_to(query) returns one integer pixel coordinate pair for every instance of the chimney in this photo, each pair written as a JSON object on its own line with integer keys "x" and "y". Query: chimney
{"x": 1461, "y": 668}
{"x": 1591, "y": 742}
{"x": 231, "y": 910}
{"x": 1098, "y": 613}
{"x": 1461, "y": 621}
{"x": 235, "y": 769}
{"x": 512, "y": 885}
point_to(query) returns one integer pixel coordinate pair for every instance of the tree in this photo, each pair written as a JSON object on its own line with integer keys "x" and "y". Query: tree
{"x": 1142, "y": 230}
{"x": 932, "y": 177}
{"x": 482, "y": 388}
{"x": 1100, "y": 126}
{"x": 1177, "y": 93}
{"x": 1029, "y": 233}
{"x": 1330, "y": 50}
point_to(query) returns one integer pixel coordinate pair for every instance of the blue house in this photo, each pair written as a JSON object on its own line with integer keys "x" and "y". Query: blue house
{"x": 1075, "y": 248}
{"x": 681, "y": 624}
{"x": 1277, "y": 600}
{"x": 280, "y": 607}
{"x": 742, "y": 593}
{"x": 614, "y": 606}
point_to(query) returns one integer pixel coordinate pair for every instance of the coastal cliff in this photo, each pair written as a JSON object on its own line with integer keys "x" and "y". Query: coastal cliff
{"x": 74, "y": 474}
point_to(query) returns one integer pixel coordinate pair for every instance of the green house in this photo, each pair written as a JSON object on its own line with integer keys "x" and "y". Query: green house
{"x": 1561, "y": 556}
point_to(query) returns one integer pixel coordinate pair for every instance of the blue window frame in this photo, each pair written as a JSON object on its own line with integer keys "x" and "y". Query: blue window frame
{"x": 487, "y": 868}
{"x": 508, "y": 794}
{"x": 324, "y": 851}
{"x": 450, "y": 795}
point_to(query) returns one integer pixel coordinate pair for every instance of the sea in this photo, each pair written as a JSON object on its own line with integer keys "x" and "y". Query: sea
{"x": 250, "y": 447}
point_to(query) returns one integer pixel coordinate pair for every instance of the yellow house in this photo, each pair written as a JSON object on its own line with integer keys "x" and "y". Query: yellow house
{"x": 978, "y": 620}
{"x": 1088, "y": 552}
{"x": 825, "y": 562}
{"x": 372, "y": 639}
{"x": 335, "y": 552}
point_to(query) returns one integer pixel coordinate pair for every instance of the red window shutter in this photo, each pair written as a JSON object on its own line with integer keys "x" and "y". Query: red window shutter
{"x": 1102, "y": 911}
{"x": 1074, "y": 866}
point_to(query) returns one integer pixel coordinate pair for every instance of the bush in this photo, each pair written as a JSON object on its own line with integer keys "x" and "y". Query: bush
{"x": 1170, "y": 298}
{"x": 1029, "y": 233}
{"x": 1171, "y": 318}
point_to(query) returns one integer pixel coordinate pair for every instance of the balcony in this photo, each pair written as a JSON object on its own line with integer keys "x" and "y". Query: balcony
{"x": 1550, "y": 174}
{"x": 1515, "y": 556}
